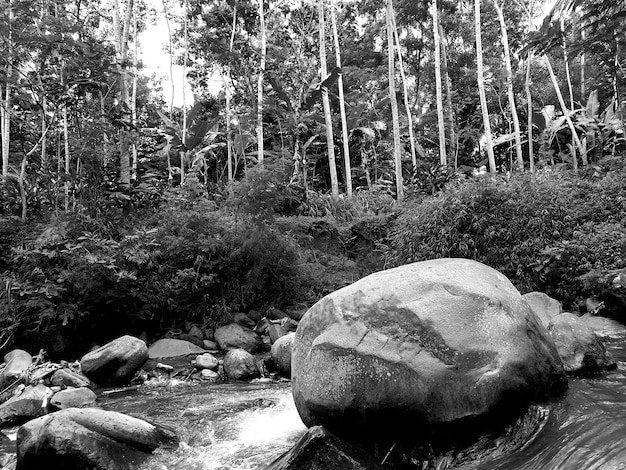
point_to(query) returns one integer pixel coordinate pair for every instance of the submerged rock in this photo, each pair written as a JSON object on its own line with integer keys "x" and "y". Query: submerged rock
{"x": 235, "y": 336}
{"x": 240, "y": 365}
{"x": 88, "y": 438}
{"x": 429, "y": 345}
{"x": 115, "y": 363}
{"x": 318, "y": 449}
{"x": 579, "y": 347}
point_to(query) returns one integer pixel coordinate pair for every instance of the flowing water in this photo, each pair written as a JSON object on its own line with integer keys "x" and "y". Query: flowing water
{"x": 245, "y": 426}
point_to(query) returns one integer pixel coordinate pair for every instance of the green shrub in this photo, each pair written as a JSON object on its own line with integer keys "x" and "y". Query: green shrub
{"x": 542, "y": 232}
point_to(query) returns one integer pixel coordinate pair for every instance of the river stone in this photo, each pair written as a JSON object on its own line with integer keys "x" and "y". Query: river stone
{"x": 116, "y": 362}
{"x": 196, "y": 331}
{"x": 419, "y": 348}
{"x": 275, "y": 331}
{"x": 544, "y": 306}
{"x": 17, "y": 363}
{"x": 210, "y": 345}
{"x": 207, "y": 361}
{"x": 68, "y": 378}
{"x": 73, "y": 398}
{"x": 192, "y": 339}
{"x": 579, "y": 347}
{"x": 170, "y": 347}
{"x": 235, "y": 336}
{"x": 604, "y": 327}
{"x": 239, "y": 364}
{"x": 318, "y": 449}
{"x": 88, "y": 438}
{"x": 281, "y": 354}
{"x": 33, "y": 402}
{"x": 241, "y": 319}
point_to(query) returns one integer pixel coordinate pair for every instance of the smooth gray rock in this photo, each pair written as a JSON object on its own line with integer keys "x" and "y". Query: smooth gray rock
{"x": 235, "y": 336}
{"x": 73, "y": 398}
{"x": 281, "y": 354}
{"x": 115, "y": 363}
{"x": 17, "y": 363}
{"x": 544, "y": 306}
{"x": 170, "y": 347}
{"x": 68, "y": 378}
{"x": 31, "y": 403}
{"x": 240, "y": 365}
{"x": 207, "y": 361}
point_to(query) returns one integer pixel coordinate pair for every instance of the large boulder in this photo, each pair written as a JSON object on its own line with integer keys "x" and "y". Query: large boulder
{"x": 235, "y": 336}
{"x": 115, "y": 363}
{"x": 31, "y": 403}
{"x": 545, "y": 307}
{"x": 318, "y": 449}
{"x": 421, "y": 347}
{"x": 281, "y": 354}
{"x": 240, "y": 365}
{"x": 88, "y": 438}
{"x": 579, "y": 347}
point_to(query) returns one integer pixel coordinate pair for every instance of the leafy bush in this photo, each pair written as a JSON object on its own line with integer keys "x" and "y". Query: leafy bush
{"x": 542, "y": 232}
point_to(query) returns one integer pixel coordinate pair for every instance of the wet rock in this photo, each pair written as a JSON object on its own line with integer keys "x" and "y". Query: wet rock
{"x": 33, "y": 402}
{"x": 405, "y": 352}
{"x": 196, "y": 331}
{"x": 604, "y": 328}
{"x": 241, "y": 319}
{"x": 206, "y": 361}
{"x": 17, "y": 363}
{"x": 281, "y": 354}
{"x": 318, "y": 449}
{"x": 68, "y": 378}
{"x": 579, "y": 347}
{"x": 88, "y": 438}
{"x": 192, "y": 339}
{"x": 210, "y": 345}
{"x": 275, "y": 331}
{"x": 170, "y": 347}
{"x": 208, "y": 374}
{"x": 235, "y": 336}
{"x": 73, "y": 398}
{"x": 544, "y": 306}
{"x": 239, "y": 364}
{"x": 115, "y": 363}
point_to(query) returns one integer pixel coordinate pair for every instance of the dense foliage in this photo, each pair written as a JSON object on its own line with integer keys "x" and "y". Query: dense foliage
{"x": 550, "y": 232}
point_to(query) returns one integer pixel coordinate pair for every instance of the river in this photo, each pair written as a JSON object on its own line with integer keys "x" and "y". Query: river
{"x": 246, "y": 426}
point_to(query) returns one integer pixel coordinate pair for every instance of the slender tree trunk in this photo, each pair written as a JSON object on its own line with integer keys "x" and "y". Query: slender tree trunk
{"x": 342, "y": 105}
{"x": 66, "y": 140}
{"x": 509, "y": 86}
{"x": 575, "y": 139}
{"x": 529, "y": 111}
{"x": 449, "y": 107}
{"x": 44, "y": 128}
{"x": 583, "y": 92}
{"x": 481, "y": 88}
{"x": 122, "y": 33}
{"x": 5, "y": 122}
{"x": 133, "y": 100}
{"x": 259, "y": 116}
{"x": 443, "y": 159}
{"x": 229, "y": 143}
{"x": 397, "y": 150}
{"x": 330, "y": 140}
{"x": 407, "y": 107}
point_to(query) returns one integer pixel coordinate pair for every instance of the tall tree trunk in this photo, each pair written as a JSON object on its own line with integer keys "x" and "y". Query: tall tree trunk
{"x": 397, "y": 150}
{"x": 449, "y": 108}
{"x": 529, "y": 111}
{"x": 229, "y": 143}
{"x": 443, "y": 159}
{"x": 66, "y": 140}
{"x": 122, "y": 33}
{"x": 184, "y": 155}
{"x": 330, "y": 140}
{"x": 407, "y": 107}
{"x": 509, "y": 86}
{"x": 44, "y": 128}
{"x": 481, "y": 88}
{"x": 576, "y": 141}
{"x": 5, "y": 115}
{"x": 583, "y": 92}
{"x": 259, "y": 115}
{"x": 133, "y": 99}
{"x": 342, "y": 105}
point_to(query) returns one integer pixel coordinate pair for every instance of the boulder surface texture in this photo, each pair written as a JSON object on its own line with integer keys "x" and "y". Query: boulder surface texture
{"x": 88, "y": 438}
{"x": 235, "y": 336}
{"x": 434, "y": 344}
{"x": 116, "y": 362}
